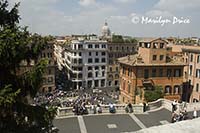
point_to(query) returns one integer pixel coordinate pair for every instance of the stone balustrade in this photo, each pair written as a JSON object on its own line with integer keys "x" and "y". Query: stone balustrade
{"x": 137, "y": 108}
{"x": 120, "y": 108}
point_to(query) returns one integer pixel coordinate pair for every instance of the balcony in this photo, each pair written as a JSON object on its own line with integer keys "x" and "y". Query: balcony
{"x": 147, "y": 82}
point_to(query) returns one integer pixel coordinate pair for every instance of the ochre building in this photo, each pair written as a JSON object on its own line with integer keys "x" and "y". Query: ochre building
{"x": 151, "y": 67}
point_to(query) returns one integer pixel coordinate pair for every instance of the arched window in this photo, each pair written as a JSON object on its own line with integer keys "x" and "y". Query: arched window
{"x": 111, "y": 76}
{"x": 176, "y": 89}
{"x": 116, "y": 76}
{"x": 168, "y": 89}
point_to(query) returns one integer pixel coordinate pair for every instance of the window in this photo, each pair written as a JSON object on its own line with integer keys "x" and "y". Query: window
{"x": 75, "y": 61}
{"x": 103, "y": 46}
{"x": 103, "y": 53}
{"x": 80, "y": 61}
{"x": 80, "y": 68}
{"x": 197, "y": 73}
{"x": 96, "y": 45}
{"x": 198, "y": 59}
{"x": 168, "y": 89}
{"x": 116, "y": 76}
{"x": 176, "y": 89}
{"x": 116, "y": 82}
{"x": 90, "y": 53}
{"x": 44, "y": 80}
{"x": 96, "y": 68}
{"x": 190, "y": 70}
{"x": 109, "y": 83}
{"x": 90, "y": 60}
{"x": 161, "y": 57}
{"x": 80, "y": 54}
{"x": 96, "y": 74}
{"x": 103, "y": 60}
{"x": 90, "y": 75}
{"x": 96, "y": 60}
{"x": 161, "y": 45}
{"x": 153, "y": 72}
{"x": 129, "y": 88}
{"x": 89, "y": 84}
{"x": 129, "y": 72}
{"x": 124, "y": 85}
{"x": 110, "y": 48}
{"x": 117, "y": 69}
{"x": 74, "y": 46}
{"x": 89, "y": 68}
{"x": 197, "y": 87}
{"x": 103, "y": 74}
{"x": 97, "y": 53}
{"x": 102, "y": 82}
{"x": 80, "y": 75}
{"x": 191, "y": 57}
{"x": 50, "y": 79}
{"x": 169, "y": 72}
{"x": 110, "y": 69}
{"x": 160, "y": 72}
{"x": 117, "y": 48}
{"x": 155, "y": 45}
{"x": 154, "y": 57}
{"x": 90, "y": 46}
{"x": 110, "y": 76}
{"x": 80, "y": 46}
{"x": 74, "y": 53}
{"x": 177, "y": 73}
{"x": 103, "y": 67}
{"x": 146, "y": 73}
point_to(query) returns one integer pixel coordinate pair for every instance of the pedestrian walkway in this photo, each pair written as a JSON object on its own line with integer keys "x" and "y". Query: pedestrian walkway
{"x": 112, "y": 123}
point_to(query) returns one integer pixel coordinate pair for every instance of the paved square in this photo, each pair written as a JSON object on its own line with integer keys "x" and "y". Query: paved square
{"x": 154, "y": 118}
{"x": 113, "y": 123}
{"x": 99, "y": 123}
{"x": 69, "y": 125}
{"x": 112, "y": 126}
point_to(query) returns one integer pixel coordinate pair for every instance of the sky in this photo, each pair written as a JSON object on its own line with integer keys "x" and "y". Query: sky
{"x": 125, "y": 17}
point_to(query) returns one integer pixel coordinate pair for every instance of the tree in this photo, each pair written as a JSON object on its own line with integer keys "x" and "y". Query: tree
{"x": 17, "y": 45}
{"x": 152, "y": 95}
{"x": 117, "y": 39}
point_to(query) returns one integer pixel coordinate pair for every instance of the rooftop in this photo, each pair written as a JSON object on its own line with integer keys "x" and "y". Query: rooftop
{"x": 136, "y": 60}
{"x": 146, "y": 40}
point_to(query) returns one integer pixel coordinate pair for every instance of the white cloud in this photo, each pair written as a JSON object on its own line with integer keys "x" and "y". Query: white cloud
{"x": 87, "y": 2}
{"x": 119, "y": 17}
{"x": 47, "y": 17}
{"x": 177, "y": 5}
{"x": 156, "y": 13}
{"x": 125, "y": 1}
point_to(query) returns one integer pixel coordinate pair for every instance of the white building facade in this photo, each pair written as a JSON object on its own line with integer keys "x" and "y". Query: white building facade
{"x": 86, "y": 62}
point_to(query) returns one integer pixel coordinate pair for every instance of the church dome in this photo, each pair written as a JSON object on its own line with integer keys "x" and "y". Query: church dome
{"x": 105, "y": 30}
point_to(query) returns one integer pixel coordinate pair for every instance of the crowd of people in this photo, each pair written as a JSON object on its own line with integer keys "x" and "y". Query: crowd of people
{"x": 179, "y": 114}
{"x": 77, "y": 98}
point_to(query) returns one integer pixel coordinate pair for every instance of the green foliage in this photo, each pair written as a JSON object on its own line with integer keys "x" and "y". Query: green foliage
{"x": 8, "y": 17}
{"x": 7, "y": 96}
{"x": 152, "y": 95}
{"x": 117, "y": 39}
{"x": 17, "y": 45}
{"x": 120, "y": 39}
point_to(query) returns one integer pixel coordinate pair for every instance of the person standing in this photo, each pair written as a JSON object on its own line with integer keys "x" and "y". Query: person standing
{"x": 195, "y": 113}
